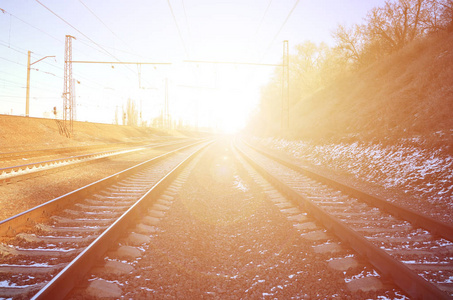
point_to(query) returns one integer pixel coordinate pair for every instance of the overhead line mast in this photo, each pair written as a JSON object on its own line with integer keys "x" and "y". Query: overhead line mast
{"x": 68, "y": 97}
{"x": 285, "y": 87}
{"x": 68, "y": 89}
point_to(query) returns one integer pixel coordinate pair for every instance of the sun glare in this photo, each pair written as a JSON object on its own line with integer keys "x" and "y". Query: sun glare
{"x": 209, "y": 84}
{"x": 218, "y": 94}
{"x": 231, "y": 126}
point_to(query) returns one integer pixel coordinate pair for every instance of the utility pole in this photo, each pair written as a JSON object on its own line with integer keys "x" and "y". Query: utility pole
{"x": 27, "y": 98}
{"x": 285, "y": 87}
{"x": 166, "y": 110}
{"x": 74, "y": 99}
{"x": 68, "y": 97}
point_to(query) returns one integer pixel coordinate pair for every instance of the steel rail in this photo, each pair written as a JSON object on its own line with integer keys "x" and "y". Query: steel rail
{"x": 53, "y": 151}
{"x": 398, "y": 272}
{"x": 10, "y": 226}
{"x": 21, "y": 172}
{"x": 423, "y": 221}
{"x": 66, "y": 280}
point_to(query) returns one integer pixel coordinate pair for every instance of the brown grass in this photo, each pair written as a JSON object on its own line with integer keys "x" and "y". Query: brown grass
{"x": 21, "y": 133}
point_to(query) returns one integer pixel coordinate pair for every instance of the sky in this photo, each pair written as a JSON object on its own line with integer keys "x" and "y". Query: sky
{"x": 157, "y": 31}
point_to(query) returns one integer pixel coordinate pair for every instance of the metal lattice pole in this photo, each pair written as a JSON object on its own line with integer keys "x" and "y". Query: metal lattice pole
{"x": 74, "y": 101}
{"x": 167, "y": 121}
{"x": 285, "y": 87}
{"x": 68, "y": 97}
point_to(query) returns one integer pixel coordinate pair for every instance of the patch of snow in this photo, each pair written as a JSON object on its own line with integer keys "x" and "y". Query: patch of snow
{"x": 8, "y": 284}
{"x": 449, "y": 280}
{"x": 31, "y": 265}
{"x": 4, "y": 283}
{"x": 147, "y": 289}
{"x": 363, "y": 274}
{"x": 423, "y": 173}
{"x": 240, "y": 184}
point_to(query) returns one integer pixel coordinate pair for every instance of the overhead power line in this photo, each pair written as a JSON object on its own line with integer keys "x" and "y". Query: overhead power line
{"x": 118, "y": 63}
{"x": 55, "y": 38}
{"x": 232, "y": 63}
{"x": 11, "y": 82}
{"x": 73, "y": 27}
{"x": 103, "y": 23}
{"x": 281, "y": 27}
{"x": 108, "y": 28}
{"x": 10, "y": 74}
{"x": 177, "y": 27}
{"x": 11, "y": 48}
{"x": 99, "y": 19}
{"x": 185, "y": 15}
{"x": 197, "y": 87}
{"x": 85, "y": 42}
{"x": 11, "y": 61}
{"x": 15, "y": 48}
{"x": 262, "y": 19}
{"x": 91, "y": 40}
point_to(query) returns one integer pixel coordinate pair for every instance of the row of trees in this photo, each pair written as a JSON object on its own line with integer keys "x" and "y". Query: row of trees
{"x": 385, "y": 30}
{"x": 391, "y": 27}
{"x": 130, "y": 114}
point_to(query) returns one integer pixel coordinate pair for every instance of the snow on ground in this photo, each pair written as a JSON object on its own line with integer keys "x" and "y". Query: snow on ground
{"x": 423, "y": 174}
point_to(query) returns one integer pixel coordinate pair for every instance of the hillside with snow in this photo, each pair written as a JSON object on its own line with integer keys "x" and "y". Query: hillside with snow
{"x": 387, "y": 128}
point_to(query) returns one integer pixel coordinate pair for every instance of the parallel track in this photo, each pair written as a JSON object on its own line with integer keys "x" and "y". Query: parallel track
{"x": 21, "y": 172}
{"x": 415, "y": 251}
{"x": 66, "y": 234}
{"x": 127, "y": 276}
{"x": 30, "y": 154}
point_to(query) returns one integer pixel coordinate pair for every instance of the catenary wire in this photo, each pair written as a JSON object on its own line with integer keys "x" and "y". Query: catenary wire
{"x": 264, "y": 15}
{"x": 280, "y": 29}
{"x": 91, "y": 40}
{"x": 185, "y": 16}
{"x": 177, "y": 27}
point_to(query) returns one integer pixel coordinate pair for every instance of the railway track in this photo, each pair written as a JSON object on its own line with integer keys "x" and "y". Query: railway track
{"x": 414, "y": 251}
{"x": 235, "y": 256}
{"x": 48, "y": 242}
{"x": 372, "y": 252}
{"x": 66, "y": 151}
{"x": 21, "y": 172}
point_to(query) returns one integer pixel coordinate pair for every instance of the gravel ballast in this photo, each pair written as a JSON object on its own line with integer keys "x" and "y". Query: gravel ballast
{"x": 222, "y": 238}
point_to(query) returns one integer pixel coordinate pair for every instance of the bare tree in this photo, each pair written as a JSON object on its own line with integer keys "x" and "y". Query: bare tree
{"x": 385, "y": 30}
{"x": 397, "y": 23}
{"x": 116, "y": 116}
{"x": 130, "y": 114}
{"x": 446, "y": 13}
{"x": 305, "y": 67}
{"x": 350, "y": 42}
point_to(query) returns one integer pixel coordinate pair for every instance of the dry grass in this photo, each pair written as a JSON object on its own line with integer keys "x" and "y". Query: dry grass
{"x": 408, "y": 94}
{"x": 20, "y": 133}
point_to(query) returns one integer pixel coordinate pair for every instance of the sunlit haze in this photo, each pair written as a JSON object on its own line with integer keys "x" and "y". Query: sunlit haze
{"x": 190, "y": 35}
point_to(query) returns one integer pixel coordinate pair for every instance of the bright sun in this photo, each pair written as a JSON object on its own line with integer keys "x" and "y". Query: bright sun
{"x": 232, "y": 112}
{"x": 220, "y": 96}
